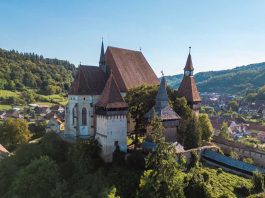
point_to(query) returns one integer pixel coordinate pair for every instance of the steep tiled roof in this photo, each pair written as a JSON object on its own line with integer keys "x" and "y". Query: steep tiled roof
{"x": 130, "y": 68}
{"x": 90, "y": 80}
{"x": 189, "y": 65}
{"x": 189, "y": 90}
{"x": 111, "y": 97}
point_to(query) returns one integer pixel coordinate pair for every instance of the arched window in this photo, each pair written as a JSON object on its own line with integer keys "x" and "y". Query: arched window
{"x": 84, "y": 117}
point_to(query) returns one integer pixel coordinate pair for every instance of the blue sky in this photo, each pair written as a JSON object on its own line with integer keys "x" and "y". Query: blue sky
{"x": 222, "y": 33}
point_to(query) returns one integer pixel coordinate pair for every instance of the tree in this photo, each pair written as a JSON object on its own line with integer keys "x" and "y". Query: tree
{"x": 206, "y": 127}
{"x": 13, "y": 132}
{"x": 28, "y": 96}
{"x": 258, "y": 182}
{"x": 37, "y": 179}
{"x": 224, "y": 131}
{"x": 196, "y": 187}
{"x": 233, "y": 104}
{"x": 234, "y": 155}
{"x": 181, "y": 107}
{"x": 162, "y": 178}
{"x": 140, "y": 100}
{"x": 192, "y": 133}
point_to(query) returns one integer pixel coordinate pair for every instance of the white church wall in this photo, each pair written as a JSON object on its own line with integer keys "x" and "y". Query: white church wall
{"x": 80, "y": 101}
{"x": 111, "y": 129}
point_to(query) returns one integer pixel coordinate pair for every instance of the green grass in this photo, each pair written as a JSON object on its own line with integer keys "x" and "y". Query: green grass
{"x": 6, "y": 94}
{"x": 223, "y": 183}
{"x": 55, "y": 99}
{"x": 5, "y": 107}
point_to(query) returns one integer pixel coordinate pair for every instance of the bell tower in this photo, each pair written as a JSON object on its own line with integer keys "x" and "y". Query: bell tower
{"x": 188, "y": 87}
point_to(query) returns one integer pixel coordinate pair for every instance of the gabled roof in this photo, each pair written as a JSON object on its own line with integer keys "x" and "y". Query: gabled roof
{"x": 189, "y": 65}
{"x": 90, "y": 80}
{"x": 111, "y": 97}
{"x": 130, "y": 68}
{"x": 189, "y": 90}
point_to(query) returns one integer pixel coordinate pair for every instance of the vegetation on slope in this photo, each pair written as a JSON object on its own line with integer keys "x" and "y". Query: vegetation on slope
{"x": 28, "y": 70}
{"x": 238, "y": 80}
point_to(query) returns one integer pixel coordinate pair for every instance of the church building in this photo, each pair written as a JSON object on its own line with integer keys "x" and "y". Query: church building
{"x": 95, "y": 102}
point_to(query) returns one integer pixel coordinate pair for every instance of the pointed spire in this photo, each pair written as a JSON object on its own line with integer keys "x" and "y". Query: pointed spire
{"x": 162, "y": 97}
{"x": 189, "y": 65}
{"x": 102, "y": 55}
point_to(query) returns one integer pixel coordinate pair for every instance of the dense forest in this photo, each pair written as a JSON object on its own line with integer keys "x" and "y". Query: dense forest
{"x": 28, "y": 70}
{"x": 238, "y": 80}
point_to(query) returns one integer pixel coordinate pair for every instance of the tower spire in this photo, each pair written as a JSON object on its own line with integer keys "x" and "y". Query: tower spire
{"x": 102, "y": 55}
{"x": 189, "y": 66}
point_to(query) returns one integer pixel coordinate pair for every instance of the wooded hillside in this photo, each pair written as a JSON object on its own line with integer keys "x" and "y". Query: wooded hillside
{"x": 28, "y": 70}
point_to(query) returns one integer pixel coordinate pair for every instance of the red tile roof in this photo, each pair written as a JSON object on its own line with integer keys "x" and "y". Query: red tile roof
{"x": 130, "y": 68}
{"x": 90, "y": 80}
{"x": 111, "y": 97}
{"x": 189, "y": 90}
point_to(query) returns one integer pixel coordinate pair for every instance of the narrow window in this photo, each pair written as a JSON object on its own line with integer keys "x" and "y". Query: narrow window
{"x": 84, "y": 117}
{"x": 73, "y": 116}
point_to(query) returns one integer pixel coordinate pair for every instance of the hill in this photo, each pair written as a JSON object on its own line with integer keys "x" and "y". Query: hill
{"x": 20, "y": 71}
{"x": 231, "y": 81}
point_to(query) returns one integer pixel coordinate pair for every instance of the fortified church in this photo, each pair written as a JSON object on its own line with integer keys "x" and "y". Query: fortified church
{"x": 96, "y": 107}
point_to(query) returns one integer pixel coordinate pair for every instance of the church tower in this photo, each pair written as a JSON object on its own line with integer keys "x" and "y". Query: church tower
{"x": 169, "y": 117}
{"x": 111, "y": 120}
{"x": 188, "y": 88}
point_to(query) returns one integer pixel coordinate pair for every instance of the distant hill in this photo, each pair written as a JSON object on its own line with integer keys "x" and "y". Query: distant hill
{"x": 20, "y": 71}
{"x": 233, "y": 81}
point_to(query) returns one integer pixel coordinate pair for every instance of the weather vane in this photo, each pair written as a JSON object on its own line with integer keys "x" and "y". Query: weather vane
{"x": 140, "y": 48}
{"x": 189, "y": 49}
{"x": 162, "y": 72}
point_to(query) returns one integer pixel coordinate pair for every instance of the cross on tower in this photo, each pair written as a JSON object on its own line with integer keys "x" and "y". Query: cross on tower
{"x": 162, "y": 72}
{"x": 189, "y": 49}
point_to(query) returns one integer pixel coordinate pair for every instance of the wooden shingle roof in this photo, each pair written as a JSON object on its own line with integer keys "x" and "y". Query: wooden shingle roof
{"x": 130, "y": 68}
{"x": 111, "y": 97}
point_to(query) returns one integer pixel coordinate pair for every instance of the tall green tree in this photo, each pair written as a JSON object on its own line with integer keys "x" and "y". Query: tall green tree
{"x": 224, "y": 131}
{"x": 162, "y": 179}
{"x": 193, "y": 133}
{"x": 206, "y": 127}
{"x": 13, "y": 132}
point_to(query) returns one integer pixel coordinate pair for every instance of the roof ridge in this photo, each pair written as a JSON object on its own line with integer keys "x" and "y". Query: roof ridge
{"x": 113, "y": 47}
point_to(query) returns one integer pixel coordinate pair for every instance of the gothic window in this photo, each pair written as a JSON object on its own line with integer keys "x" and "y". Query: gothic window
{"x": 84, "y": 116}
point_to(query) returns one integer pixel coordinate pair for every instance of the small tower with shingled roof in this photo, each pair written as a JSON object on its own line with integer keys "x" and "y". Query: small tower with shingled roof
{"x": 169, "y": 117}
{"x": 188, "y": 88}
